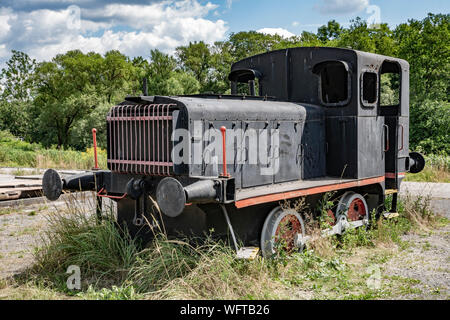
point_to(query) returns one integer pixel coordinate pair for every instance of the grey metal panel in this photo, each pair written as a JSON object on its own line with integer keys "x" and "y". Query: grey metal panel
{"x": 367, "y": 63}
{"x": 403, "y": 136}
{"x": 404, "y": 97}
{"x": 288, "y": 151}
{"x": 370, "y": 147}
{"x": 177, "y": 122}
{"x": 403, "y": 147}
{"x": 233, "y": 149}
{"x": 196, "y": 147}
{"x": 342, "y": 147}
{"x": 255, "y": 132}
{"x": 313, "y": 149}
{"x": 215, "y": 108}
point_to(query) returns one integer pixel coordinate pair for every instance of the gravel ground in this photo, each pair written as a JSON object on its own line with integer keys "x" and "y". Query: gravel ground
{"x": 19, "y": 234}
{"x": 21, "y": 231}
{"x": 425, "y": 262}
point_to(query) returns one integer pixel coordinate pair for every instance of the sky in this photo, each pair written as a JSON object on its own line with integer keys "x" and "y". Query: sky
{"x": 44, "y": 28}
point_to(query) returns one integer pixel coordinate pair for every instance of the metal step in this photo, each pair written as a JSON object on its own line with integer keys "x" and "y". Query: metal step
{"x": 390, "y": 191}
{"x": 390, "y": 215}
{"x": 249, "y": 253}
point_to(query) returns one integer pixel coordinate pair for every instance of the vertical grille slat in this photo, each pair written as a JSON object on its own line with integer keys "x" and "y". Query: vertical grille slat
{"x": 139, "y": 139}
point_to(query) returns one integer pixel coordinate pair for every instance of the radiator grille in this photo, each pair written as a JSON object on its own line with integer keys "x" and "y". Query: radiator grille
{"x": 139, "y": 139}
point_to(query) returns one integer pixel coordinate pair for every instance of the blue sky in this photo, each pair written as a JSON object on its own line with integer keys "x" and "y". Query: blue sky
{"x": 44, "y": 28}
{"x": 258, "y": 14}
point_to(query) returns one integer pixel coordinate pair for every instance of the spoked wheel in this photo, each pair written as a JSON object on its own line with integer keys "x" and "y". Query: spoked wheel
{"x": 279, "y": 231}
{"x": 353, "y": 206}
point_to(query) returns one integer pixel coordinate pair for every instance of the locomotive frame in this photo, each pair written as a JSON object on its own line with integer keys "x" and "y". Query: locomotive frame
{"x": 321, "y": 106}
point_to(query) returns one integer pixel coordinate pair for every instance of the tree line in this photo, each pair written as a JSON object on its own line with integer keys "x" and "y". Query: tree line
{"x": 57, "y": 102}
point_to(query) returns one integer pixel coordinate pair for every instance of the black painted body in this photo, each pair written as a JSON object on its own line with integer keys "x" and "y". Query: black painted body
{"x": 343, "y": 137}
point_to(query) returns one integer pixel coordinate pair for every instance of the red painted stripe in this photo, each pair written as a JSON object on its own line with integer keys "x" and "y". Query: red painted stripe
{"x": 391, "y": 175}
{"x": 304, "y": 192}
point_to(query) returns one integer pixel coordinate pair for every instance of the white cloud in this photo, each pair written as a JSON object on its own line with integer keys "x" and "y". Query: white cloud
{"x": 341, "y": 6}
{"x": 279, "y": 31}
{"x": 295, "y": 24}
{"x": 147, "y": 16}
{"x": 6, "y": 15}
{"x": 3, "y": 50}
{"x": 132, "y": 29}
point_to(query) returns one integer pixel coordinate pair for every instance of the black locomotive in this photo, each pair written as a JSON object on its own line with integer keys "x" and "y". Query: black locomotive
{"x": 315, "y": 120}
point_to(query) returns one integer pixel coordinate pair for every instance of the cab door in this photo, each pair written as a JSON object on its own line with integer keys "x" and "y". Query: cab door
{"x": 396, "y": 125}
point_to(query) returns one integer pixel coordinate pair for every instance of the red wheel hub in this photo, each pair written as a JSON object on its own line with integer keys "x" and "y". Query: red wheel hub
{"x": 288, "y": 227}
{"x": 356, "y": 210}
{"x": 331, "y": 218}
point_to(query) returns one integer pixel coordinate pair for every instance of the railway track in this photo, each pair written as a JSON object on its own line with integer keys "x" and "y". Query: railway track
{"x": 23, "y": 188}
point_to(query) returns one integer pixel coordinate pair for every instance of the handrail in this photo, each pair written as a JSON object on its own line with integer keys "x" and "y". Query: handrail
{"x": 403, "y": 131}
{"x": 386, "y": 139}
{"x": 99, "y": 194}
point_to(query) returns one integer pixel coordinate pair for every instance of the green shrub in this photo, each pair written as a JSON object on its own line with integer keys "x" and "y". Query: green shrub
{"x": 17, "y": 153}
{"x": 430, "y": 122}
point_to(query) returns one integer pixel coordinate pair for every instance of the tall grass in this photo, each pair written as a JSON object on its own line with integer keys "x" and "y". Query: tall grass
{"x": 114, "y": 267}
{"x": 99, "y": 249}
{"x": 17, "y": 153}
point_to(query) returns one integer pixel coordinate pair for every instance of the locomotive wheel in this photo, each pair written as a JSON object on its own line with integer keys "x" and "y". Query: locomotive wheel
{"x": 280, "y": 229}
{"x": 353, "y": 206}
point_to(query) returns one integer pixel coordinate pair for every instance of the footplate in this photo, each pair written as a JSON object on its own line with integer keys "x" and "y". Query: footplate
{"x": 390, "y": 215}
{"x": 249, "y": 253}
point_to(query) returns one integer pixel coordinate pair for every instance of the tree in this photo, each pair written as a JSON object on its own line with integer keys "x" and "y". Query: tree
{"x": 119, "y": 76}
{"x": 357, "y": 37}
{"x": 159, "y": 71}
{"x": 195, "y": 58}
{"x": 430, "y": 121}
{"x": 68, "y": 90}
{"x": 426, "y": 45}
{"x": 309, "y": 39}
{"x": 18, "y": 83}
{"x": 329, "y": 32}
{"x": 187, "y": 83}
{"x": 246, "y": 44}
{"x": 141, "y": 66}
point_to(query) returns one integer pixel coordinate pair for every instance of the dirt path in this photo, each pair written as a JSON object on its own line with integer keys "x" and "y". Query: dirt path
{"x": 424, "y": 266}
{"x": 19, "y": 235}
{"x": 21, "y": 230}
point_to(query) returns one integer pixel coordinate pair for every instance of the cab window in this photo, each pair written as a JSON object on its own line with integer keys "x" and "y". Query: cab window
{"x": 369, "y": 89}
{"x": 390, "y": 89}
{"x": 334, "y": 83}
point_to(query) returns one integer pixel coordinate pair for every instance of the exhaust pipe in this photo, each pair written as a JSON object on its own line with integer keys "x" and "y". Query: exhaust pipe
{"x": 172, "y": 197}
